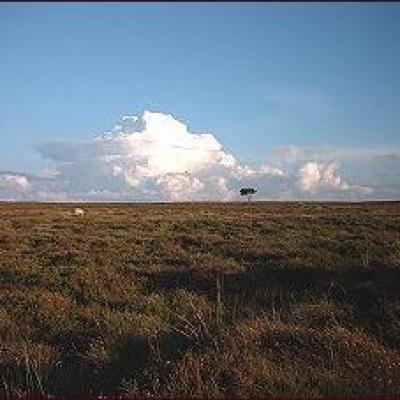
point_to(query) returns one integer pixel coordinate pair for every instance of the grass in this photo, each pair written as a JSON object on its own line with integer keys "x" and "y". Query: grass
{"x": 250, "y": 299}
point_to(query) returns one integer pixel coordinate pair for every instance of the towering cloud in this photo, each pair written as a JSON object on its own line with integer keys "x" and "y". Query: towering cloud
{"x": 159, "y": 149}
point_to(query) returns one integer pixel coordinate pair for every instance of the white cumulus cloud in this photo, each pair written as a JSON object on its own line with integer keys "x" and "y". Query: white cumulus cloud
{"x": 157, "y": 145}
{"x": 313, "y": 175}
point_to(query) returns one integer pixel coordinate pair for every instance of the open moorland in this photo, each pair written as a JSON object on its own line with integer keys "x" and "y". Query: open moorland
{"x": 241, "y": 299}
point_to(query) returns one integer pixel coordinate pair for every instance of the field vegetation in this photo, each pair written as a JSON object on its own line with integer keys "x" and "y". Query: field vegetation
{"x": 241, "y": 299}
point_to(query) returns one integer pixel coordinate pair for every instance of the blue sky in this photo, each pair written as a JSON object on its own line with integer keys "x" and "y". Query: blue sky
{"x": 256, "y": 76}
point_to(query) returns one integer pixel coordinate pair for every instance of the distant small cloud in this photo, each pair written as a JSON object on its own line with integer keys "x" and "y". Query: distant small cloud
{"x": 266, "y": 169}
{"x": 313, "y": 176}
{"x": 47, "y": 173}
{"x": 18, "y": 183}
{"x": 283, "y": 95}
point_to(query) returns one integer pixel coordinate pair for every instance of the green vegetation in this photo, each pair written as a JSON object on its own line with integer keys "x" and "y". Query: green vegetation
{"x": 249, "y": 299}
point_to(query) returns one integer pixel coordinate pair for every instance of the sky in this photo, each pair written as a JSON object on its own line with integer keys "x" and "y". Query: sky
{"x": 192, "y": 101}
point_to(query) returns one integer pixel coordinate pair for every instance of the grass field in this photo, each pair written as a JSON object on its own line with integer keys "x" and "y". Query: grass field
{"x": 249, "y": 299}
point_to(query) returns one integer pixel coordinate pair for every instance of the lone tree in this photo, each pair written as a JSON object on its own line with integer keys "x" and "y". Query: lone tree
{"x": 248, "y": 192}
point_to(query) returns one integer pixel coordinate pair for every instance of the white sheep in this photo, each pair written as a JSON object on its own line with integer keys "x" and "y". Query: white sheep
{"x": 79, "y": 212}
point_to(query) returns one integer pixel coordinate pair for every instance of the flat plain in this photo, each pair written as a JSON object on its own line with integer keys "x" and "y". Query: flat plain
{"x": 202, "y": 299}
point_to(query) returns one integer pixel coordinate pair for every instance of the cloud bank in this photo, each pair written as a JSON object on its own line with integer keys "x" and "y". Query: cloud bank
{"x": 155, "y": 157}
{"x": 151, "y": 157}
